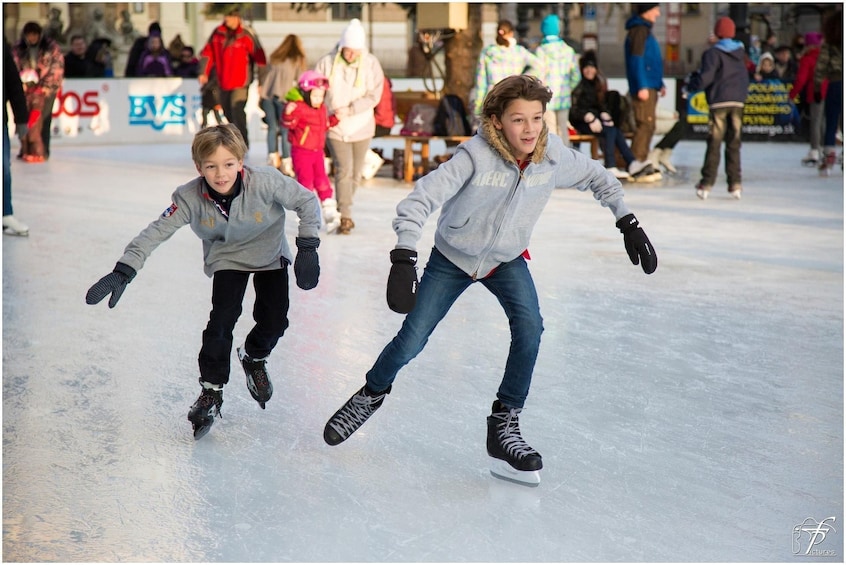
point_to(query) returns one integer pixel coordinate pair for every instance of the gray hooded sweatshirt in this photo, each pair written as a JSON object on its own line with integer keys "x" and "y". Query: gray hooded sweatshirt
{"x": 489, "y": 207}
{"x": 252, "y": 239}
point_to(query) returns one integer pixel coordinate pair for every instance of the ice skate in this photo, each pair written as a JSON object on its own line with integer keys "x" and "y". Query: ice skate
{"x": 812, "y": 159}
{"x": 353, "y": 414}
{"x": 331, "y": 216}
{"x": 512, "y": 458}
{"x": 643, "y": 171}
{"x": 287, "y": 167}
{"x": 827, "y": 163}
{"x": 257, "y": 380}
{"x": 702, "y": 191}
{"x": 735, "y": 191}
{"x": 203, "y": 411}
{"x": 618, "y": 174}
{"x": 274, "y": 160}
{"x": 13, "y": 226}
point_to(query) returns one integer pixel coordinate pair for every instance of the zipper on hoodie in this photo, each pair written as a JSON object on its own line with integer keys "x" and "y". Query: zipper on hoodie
{"x": 500, "y": 219}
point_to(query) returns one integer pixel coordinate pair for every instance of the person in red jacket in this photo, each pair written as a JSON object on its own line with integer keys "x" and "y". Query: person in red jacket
{"x": 804, "y": 86}
{"x": 231, "y": 51}
{"x": 307, "y": 121}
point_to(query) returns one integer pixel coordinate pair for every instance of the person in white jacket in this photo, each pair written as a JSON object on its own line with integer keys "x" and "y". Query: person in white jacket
{"x": 355, "y": 87}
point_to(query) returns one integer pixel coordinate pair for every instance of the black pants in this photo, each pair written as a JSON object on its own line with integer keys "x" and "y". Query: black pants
{"x": 234, "y": 103}
{"x": 270, "y": 313}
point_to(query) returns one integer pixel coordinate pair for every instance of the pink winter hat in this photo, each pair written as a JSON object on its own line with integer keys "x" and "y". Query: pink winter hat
{"x": 813, "y": 38}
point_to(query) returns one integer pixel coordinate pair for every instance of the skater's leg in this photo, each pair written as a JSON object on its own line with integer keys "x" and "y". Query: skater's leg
{"x": 441, "y": 284}
{"x": 716, "y": 134}
{"x": 228, "y": 289}
{"x": 513, "y": 286}
{"x": 734, "y": 123}
{"x": 270, "y": 312}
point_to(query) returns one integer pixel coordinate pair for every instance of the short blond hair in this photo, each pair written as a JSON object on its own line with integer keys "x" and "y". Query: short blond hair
{"x": 208, "y": 139}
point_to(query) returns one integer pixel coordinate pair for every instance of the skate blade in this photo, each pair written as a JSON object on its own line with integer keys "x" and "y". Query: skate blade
{"x": 202, "y": 429}
{"x": 502, "y": 470}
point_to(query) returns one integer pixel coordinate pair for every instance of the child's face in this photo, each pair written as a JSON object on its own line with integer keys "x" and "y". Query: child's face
{"x": 220, "y": 169}
{"x": 767, "y": 65}
{"x": 316, "y": 96}
{"x": 521, "y": 124}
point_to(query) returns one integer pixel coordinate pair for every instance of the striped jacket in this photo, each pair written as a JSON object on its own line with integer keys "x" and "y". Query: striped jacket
{"x": 497, "y": 62}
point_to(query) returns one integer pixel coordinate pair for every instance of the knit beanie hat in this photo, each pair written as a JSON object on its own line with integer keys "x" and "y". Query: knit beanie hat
{"x": 550, "y": 25}
{"x": 724, "y": 28}
{"x": 588, "y": 59}
{"x": 353, "y": 36}
{"x": 813, "y": 38}
{"x": 642, "y": 8}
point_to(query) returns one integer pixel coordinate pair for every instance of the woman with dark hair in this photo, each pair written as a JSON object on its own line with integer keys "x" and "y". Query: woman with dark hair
{"x": 591, "y": 114}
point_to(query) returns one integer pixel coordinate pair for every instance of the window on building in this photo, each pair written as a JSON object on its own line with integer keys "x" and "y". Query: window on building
{"x": 346, "y": 11}
{"x": 254, "y": 11}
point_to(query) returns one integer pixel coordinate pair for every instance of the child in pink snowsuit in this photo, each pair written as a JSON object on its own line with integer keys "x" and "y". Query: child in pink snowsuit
{"x": 307, "y": 121}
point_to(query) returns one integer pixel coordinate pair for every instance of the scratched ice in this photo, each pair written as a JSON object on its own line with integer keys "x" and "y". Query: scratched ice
{"x": 692, "y": 415}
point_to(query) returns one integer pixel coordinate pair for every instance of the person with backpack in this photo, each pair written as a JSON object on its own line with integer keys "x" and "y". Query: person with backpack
{"x": 356, "y": 83}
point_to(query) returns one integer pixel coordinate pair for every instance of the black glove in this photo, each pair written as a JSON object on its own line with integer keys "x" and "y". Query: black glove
{"x": 114, "y": 283}
{"x": 638, "y": 247}
{"x": 306, "y": 264}
{"x": 402, "y": 281}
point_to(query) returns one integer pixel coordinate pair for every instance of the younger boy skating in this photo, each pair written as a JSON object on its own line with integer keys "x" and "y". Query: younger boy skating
{"x": 238, "y": 212}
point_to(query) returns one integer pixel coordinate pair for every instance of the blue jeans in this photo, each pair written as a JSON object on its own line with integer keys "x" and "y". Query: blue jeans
{"x": 7, "y": 172}
{"x": 273, "y": 111}
{"x": 833, "y": 112}
{"x": 441, "y": 284}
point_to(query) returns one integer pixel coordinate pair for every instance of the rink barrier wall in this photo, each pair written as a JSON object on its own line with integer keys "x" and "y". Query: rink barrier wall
{"x": 98, "y": 111}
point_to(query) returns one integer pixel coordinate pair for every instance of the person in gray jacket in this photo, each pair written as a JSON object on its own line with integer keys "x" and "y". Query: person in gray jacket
{"x": 491, "y": 194}
{"x": 238, "y": 212}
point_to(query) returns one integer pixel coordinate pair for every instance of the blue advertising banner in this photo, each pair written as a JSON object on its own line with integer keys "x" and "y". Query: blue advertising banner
{"x": 769, "y": 113}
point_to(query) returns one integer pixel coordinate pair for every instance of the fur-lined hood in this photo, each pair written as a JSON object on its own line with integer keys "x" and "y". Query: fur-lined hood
{"x": 497, "y": 140}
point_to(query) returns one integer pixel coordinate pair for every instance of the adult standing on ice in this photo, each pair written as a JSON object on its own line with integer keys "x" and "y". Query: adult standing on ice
{"x": 239, "y": 213}
{"x": 491, "y": 194}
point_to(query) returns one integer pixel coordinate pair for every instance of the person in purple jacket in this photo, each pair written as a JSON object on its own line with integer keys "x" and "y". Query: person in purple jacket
{"x": 725, "y": 80}
{"x": 491, "y": 194}
{"x": 238, "y": 211}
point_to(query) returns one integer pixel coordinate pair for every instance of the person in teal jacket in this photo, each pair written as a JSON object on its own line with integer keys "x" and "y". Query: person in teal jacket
{"x": 238, "y": 212}
{"x": 491, "y": 194}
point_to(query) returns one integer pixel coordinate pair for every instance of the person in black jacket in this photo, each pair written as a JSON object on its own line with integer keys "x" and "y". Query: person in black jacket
{"x": 725, "y": 80}
{"x": 591, "y": 114}
{"x": 138, "y": 47}
{"x": 13, "y": 95}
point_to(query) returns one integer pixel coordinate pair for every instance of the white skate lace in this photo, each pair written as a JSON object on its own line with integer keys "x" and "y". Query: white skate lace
{"x": 509, "y": 436}
{"x": 355, "y": 412}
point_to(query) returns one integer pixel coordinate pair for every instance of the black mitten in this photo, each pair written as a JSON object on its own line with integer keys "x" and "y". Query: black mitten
{"x": 114, "y": 283}
{"x": 306, "y": 264}
{"x": 402, "y": 281}
{"x": 638, "y": 247}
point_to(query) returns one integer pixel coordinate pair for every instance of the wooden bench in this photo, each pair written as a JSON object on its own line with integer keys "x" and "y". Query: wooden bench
{"x": 419, "y": 146}
{"x": 595, "y": 147}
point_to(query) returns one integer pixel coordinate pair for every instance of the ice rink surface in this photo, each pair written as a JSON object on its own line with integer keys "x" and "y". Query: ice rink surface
{"x": 692, "y": 415}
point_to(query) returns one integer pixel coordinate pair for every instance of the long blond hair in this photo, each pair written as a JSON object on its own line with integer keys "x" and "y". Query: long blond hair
{"x": 290, "y": 48}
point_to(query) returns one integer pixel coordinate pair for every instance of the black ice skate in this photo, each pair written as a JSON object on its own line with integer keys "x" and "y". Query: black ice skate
{"x": 513, "y": 459}
{"x": 257, "y": 380}
{"x": 352, "y": 415}
{"x": 202, "y": 413}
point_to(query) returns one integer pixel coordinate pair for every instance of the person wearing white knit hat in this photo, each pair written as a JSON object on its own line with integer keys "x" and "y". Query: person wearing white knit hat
{"x": 356, "y": 79}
